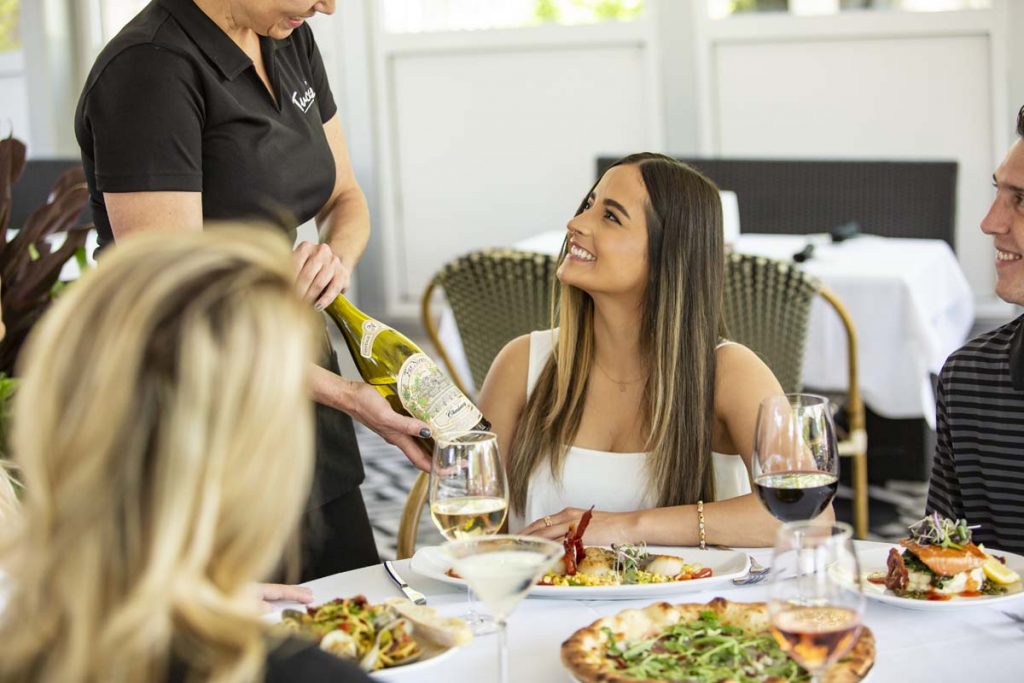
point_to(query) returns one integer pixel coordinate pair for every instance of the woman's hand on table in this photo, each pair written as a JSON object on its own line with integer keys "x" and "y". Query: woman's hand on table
{"x": 271, "y": 592}
{"x": 320, "y": 274}
{"x": 605, "y": 528}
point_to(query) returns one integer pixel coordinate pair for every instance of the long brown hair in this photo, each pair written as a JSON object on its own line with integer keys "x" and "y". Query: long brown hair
{"x": 164, "y": 431}
{"x": 679, "y": 329}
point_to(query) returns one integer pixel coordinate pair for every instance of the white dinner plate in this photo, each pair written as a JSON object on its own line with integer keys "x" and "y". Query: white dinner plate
{"x": 431, "y": 656}
{"x": 725, "y": 565}
{"x": 874, "y": 560}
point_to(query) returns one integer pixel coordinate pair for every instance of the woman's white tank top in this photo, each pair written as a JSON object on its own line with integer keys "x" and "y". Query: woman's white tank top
{"x": 612, "y": 482}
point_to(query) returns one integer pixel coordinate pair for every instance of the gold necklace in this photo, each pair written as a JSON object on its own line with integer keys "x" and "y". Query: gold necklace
{"x": 622, "y": 384}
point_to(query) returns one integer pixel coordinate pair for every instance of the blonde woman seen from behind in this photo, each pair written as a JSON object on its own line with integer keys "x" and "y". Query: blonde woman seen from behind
{"x": 636, "y": 403}
{"x": 163, "y": 428}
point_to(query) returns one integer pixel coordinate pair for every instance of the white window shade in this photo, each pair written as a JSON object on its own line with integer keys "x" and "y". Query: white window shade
{"x": 428, "y": 16}
{"x": 10, "y": 36}
{"x": 720, "y": 9}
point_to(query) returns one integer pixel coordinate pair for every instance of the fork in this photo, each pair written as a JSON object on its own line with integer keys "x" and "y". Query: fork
{"x": 1015, "y": 617}
{"x": 756, "y": 574}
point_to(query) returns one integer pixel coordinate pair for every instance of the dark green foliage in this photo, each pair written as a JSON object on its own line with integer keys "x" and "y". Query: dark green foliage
{"x": 29, "y": 267}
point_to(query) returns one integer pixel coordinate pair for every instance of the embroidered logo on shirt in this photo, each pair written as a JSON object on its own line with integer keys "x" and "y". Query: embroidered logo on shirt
{"x": 306, "y": 99}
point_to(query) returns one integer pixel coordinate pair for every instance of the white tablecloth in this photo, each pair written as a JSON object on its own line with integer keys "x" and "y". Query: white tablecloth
{"x": 975, "y": 644}
{"x": 909, "y": 300}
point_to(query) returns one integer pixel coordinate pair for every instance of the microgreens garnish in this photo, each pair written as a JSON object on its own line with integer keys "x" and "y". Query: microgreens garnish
{"x": 629, "y": 557}
{"x": 940, "y": 531}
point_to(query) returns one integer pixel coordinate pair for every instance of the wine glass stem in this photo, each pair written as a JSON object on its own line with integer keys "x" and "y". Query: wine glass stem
{"x": 470, "y": 611}
{"x": 502, "y": 651}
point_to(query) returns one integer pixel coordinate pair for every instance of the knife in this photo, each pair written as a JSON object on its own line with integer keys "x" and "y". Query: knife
{"x": 410, "y": 593}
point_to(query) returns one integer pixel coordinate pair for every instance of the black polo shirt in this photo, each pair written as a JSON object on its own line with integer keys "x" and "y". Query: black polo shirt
{"x": 173, "y": 104}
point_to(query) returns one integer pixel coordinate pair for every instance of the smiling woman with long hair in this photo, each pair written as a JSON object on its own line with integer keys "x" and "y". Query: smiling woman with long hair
{"x": 635, "y": 403}
{"x": 164, "y": 433}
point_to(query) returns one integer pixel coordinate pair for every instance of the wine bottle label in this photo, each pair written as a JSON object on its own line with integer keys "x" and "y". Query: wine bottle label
{"x": 430, "y": 396}
{"x": 371, "y": 328}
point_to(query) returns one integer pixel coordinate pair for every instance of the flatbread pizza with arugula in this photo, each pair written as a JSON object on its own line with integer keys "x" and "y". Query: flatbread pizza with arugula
{"x": 719, "y": 641}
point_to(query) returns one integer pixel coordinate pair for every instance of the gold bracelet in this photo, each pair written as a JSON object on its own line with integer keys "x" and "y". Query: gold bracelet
{"x": 700, "y": 524}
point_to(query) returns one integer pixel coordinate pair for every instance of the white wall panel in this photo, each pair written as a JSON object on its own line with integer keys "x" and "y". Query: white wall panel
{"x": 920, "y": 98}
{"x": 493, "y": 147}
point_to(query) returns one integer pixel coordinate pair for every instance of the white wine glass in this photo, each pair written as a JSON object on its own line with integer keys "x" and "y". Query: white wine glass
{"x": 468, "y": 496}
{"x": 816, "y": 598}
{"x": 795, "y": 459}
{"x": 502, "y": 569}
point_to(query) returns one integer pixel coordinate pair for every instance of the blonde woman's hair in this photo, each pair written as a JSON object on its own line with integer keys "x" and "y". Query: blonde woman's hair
{"x": 163, "y": 428}
{"x": 679, "y": 329}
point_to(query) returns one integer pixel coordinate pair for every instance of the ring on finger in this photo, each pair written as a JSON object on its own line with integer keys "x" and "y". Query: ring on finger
{"x": 547, "y": 520}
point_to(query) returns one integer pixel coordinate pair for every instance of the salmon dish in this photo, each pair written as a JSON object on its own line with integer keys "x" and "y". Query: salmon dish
{"x": 939, "y": 561}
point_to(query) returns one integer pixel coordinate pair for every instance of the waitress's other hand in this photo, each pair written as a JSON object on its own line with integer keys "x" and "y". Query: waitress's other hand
{"x": 271, "y": 592}
{"x": 320, "y": 276}
{"x": 374, "y": 411}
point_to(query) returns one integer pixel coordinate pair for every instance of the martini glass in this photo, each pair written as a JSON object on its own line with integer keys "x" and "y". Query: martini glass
{"x": 502, "y": 569}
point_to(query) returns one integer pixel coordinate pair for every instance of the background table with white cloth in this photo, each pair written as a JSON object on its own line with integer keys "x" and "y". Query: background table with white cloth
{"x": 979, "y": 643}
{"x": 909, "y": 300}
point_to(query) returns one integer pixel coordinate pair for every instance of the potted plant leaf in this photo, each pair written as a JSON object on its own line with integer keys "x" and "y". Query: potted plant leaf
{"x": 29, "y": 266}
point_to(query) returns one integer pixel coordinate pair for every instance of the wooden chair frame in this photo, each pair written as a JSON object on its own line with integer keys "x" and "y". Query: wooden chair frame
{"x": 855, "y": 446}
{"x": 411, "y": 513}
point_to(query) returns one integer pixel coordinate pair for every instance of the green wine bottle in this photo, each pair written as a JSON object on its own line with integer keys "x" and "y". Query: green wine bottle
{"x": 403, "y": 374}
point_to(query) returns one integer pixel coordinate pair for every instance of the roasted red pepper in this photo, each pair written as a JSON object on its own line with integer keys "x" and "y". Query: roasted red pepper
{"x": 573, "y": 543}
{"x": 578, "y": 540}
{"x": 569, "y": 543}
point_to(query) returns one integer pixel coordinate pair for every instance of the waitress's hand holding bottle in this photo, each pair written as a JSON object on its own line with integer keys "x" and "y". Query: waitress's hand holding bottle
{"x": 320, "y": 274}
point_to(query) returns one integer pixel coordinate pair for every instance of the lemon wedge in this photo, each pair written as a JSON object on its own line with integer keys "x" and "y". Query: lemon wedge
{"x": 998, "y": 572}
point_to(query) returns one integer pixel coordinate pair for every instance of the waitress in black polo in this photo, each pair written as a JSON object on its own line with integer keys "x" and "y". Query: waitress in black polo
{"x": 220, "y": 109}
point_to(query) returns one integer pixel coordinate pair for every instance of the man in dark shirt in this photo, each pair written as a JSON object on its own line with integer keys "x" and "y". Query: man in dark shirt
{"x": 978, "y": 471}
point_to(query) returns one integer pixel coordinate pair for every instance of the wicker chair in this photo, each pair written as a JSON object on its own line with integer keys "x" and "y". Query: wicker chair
{"x": 766, "y": 307}
{"x": 495, "y": 295}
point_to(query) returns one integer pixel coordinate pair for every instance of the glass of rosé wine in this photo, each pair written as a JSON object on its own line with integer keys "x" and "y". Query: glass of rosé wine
{"x": 816, "y": 599}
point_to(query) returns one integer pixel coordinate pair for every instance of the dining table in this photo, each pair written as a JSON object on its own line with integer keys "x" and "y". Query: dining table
{"x": 974, "y": 644}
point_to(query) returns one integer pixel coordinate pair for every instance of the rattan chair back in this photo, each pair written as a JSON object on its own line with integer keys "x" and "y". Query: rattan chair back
{"x": 495, "y": 295}
{"x": 766, "y": 306}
